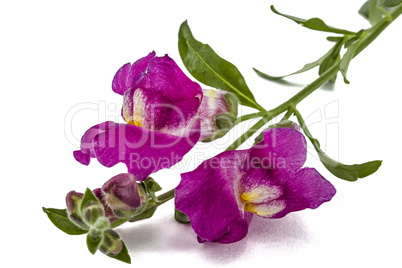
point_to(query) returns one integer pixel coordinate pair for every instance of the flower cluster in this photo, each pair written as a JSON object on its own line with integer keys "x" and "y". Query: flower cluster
{"x": 166, "y": 114}
{"x": 96, "y": 210}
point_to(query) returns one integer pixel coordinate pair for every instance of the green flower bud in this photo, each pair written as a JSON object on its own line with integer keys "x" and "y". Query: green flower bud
{"x": 111, "y": 244}
{"x": 92, "y": 211}
{"x": 73, "y": 201}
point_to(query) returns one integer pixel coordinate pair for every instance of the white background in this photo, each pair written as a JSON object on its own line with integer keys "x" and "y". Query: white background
{"x": 55, "y": 55}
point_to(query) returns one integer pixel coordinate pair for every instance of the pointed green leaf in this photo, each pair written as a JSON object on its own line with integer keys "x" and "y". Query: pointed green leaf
{"x": 314, "y": 23}
{"x": 328, "y": 63}
{"x": 94, "y": 240}
{"x": 365, "y": 10}
{"x": 334, "y": 38}
{"x": 375, "y": 14}
{"x": 349, "y": 55}
{"x": 88, "y": 196}
{"x": 389, "y": 3}
{"x": 181, "y": 217}
{"x": 60, "y": 219}
{"x": 331, "y": 60}
{"x": 345, "y": 172}
{"x": 306, "y": 67}
{"x": 374, "y": 10}
{"x": 123, "y": 255}
{"x": 207, "y": 67}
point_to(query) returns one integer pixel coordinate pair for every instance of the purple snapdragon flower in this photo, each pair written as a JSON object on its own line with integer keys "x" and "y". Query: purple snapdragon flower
{"x": 221, "y": 195}
{"x": 161, "y": 108}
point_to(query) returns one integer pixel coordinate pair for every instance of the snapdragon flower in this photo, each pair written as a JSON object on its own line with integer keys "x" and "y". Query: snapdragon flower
{"x": 222, "y": 194}
{"x": 161, "y": 108}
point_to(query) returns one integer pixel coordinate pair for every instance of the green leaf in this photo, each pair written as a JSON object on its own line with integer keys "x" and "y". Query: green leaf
{"x": 364, "y": 10}
{"x": 59, "y": 218}
{"x": 88, "y": 197}
{"x": 313, "y": 23}
{"x": 328, "y": 63}
{"x": 375, "y": 14}
{"x": 334, "y": 38}
{"x": 306, "y": 67}
{"x": 345, "y": 172}
{"x": 389, "y": 3}
{"x": 180, "y": 216}
{"x": 349, "y": 55}
{"x": 331, "y": 60}
{"x": 374, "y": 10}
{"x": 123, "y": 255}
{"x": 207, "y": 67}
{"x": 94, "y": 240}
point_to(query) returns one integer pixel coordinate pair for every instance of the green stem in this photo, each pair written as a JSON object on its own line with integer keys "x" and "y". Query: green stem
{"x": 248, "y": 117}
{"x": 373, "y": 33}
{"x": 163, "y": 198}
{"x": 287, "y": 115}
{"x": 377, "y": 29}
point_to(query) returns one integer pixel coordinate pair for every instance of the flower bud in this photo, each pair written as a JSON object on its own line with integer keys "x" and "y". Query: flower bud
{"x": 111, "y": 244}
{"x": 108, "y": 210}
{"x": 73, "y": 201}
{"x": 92, "y": 212}
{"x": 217, "y": 113}
{"x": 122, "y": 194}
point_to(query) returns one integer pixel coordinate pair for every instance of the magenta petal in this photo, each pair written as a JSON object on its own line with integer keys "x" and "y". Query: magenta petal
{"x": 128, "y": 75}
{"x": 84, "y": 155}
{"x": 119, "y": 84}
{"x": 207, "y": 196}
{"x": 138, "y": 70}
{"x": 163, "y": 98}
{"x": 88, "y": 138}
{"x": 282, "y": 148}
{"x": 305, "y": 189}
{"x": 143, "y": 151}
{"x": 82, "y": 158}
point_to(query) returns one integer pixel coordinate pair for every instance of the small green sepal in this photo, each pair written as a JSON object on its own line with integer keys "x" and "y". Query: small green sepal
{"x": 88, "y": 197}
{"x": 152, "y": 185}
{"x": 180, "y": 216}
{"x": 123, "y": 254}
{"x": 94, "y": 240}
{"x": 146, "y": 213}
